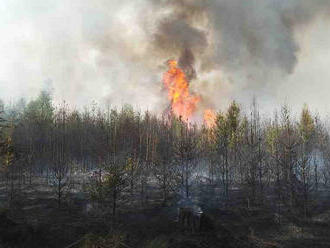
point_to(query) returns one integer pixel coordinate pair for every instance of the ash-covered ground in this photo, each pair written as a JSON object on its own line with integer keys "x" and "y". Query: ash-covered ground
{"x": 34, "y": 219}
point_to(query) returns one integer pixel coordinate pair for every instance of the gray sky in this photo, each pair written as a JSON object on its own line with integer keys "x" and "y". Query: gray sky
{"x": 114, "y": 51}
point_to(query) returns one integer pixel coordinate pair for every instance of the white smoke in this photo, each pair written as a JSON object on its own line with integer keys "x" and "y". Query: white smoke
{"x": 113, "y": 51}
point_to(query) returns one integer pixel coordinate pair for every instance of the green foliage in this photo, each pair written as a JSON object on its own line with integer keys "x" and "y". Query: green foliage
{"x": 230, "y": 126}
{"x": 232, "y": 116}
{"x": 6, "y": 146}
{"x": 7, "y": 154}
{"x": 306, "y": 125}
{"x": 115, "y": 177}
{"x": 110, "y": 183}
{"x": 96, "y": 190}
{"x": 272, "y": 135}
{"x": 40, "y": 109}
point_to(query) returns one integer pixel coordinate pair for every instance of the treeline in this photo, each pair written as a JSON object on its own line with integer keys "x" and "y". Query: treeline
{"x": 280, "y": 161}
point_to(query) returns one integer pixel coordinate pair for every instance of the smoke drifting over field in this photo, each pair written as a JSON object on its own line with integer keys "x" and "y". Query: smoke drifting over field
{"x": 114, "y": 51}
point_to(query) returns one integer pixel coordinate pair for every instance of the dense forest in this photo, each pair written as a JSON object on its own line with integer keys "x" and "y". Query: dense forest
{"x": 106, "y": 170}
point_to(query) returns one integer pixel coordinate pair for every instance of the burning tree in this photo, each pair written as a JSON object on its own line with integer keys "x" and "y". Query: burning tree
{"x": 183, "y": 103}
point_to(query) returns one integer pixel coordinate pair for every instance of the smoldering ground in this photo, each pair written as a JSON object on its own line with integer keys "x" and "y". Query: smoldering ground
{"x": 114, "y": 51}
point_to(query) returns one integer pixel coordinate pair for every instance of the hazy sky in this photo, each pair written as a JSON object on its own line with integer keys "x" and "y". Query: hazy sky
{"x": 113, "y": 51}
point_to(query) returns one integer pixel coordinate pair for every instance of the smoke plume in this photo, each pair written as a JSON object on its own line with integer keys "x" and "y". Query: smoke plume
{"x": 114, "y": 51}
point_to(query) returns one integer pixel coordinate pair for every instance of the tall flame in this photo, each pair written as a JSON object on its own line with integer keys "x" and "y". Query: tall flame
{"x": 183, "y": 103}
{"x": 210, "y": 118}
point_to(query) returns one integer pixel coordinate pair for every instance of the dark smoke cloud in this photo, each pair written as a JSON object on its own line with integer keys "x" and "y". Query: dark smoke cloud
{"x": 254, "y": 33}
{"x": 253, "y": 42}
{"x": 187, "y": 63}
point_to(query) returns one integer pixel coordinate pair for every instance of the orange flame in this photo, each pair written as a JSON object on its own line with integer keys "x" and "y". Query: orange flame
{"x": 210, "y": 118}
{"x": 182, "y": 102}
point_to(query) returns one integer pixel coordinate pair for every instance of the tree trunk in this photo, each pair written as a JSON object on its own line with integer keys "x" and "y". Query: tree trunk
{"x": 114, "y": 205}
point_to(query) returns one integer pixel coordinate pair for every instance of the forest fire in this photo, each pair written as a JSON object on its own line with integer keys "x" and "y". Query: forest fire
{"x": 209, "y": 118}
{"x": 183, "y": 103}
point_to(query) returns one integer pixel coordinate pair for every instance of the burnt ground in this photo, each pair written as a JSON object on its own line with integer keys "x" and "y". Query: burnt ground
{"x": 33, "y": 219}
